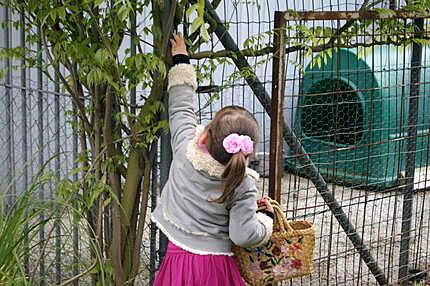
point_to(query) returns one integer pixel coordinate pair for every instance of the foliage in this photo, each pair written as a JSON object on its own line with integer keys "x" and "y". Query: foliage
{"x": 22, "y": 222}
{"x": 83, "y": 41}
{"x": 18, "y": 226}
{"x": 314, "y": 41}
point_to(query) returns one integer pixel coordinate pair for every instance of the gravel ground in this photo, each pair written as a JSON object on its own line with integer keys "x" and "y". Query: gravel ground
{"x": 376, "y": 215}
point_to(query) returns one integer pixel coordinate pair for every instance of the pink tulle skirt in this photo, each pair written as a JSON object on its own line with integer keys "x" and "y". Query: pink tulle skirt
{"x": 182, "y": 268}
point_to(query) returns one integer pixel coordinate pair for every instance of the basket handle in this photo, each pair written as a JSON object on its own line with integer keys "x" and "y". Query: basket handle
{"x": 280, "y": 221}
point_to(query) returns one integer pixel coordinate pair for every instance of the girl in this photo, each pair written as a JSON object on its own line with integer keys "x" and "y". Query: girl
{"x": 209, "y": 199}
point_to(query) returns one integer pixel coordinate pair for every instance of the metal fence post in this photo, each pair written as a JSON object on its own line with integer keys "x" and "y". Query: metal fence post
{"x": 75, "y": 234}
{"x": 277, "y": 110}
{"x": 58, "y": 275}
{"x": 166, "y": 148}
{"x": 153, "y": 227}
{"x": 9, "y": 111}
{"x": 133, "y": 53}
{"x": 408, "y": 190}
{"x": 40, "y": 150}
{"x": 165, "y": 162}
{"x": 24, "y": 136}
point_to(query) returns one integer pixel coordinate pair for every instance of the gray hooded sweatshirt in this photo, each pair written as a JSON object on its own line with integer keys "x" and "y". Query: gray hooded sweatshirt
{"x": 185, "y": 212}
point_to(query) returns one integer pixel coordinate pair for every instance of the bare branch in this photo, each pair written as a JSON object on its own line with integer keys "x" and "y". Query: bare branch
{"x": 82, "y": 274}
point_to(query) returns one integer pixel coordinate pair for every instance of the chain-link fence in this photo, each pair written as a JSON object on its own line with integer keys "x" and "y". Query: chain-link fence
{"x": 360, "y": 114}
{"x": 349, "y": 108}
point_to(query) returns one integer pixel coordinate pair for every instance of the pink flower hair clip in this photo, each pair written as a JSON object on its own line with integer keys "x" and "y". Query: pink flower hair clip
{"x": 235, "y": 143}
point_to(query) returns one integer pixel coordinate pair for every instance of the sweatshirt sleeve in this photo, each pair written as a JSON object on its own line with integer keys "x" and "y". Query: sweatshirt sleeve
{"x": 247, "y": 228}
{"x": 182, "y": 84}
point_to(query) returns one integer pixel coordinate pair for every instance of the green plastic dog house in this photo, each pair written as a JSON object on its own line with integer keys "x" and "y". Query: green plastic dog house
{"x": 352, "y": 115}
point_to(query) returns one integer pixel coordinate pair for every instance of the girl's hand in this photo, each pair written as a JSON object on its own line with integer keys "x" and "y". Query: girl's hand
{"x": 265, "y": 202}
{"x": 178, "y": 45}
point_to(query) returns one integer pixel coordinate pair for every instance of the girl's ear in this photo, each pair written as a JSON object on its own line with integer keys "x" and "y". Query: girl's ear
{"x": 203, "y": 138}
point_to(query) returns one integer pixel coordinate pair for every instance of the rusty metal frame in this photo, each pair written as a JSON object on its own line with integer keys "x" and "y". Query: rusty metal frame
{"x": 349, "y": 15}
{"x": 278, "y": 132}
{"x": 278, "y": 88}
{"x": 277, "y": 106}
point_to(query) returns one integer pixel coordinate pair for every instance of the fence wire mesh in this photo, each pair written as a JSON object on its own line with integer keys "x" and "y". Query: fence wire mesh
{"x": 360, "y": 112}
{"x": 349, "y": 108}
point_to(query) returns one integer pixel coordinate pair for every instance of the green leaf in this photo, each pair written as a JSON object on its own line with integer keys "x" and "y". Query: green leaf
{"x": 191, "y": 10}
{"x": 147, "y": 30}
{"x": 204, "y": 33}
{"x": 195, "y": 25}
{"x": 419, "y": 41}
{"x": 62, "y": 12}
{"x": 123, "y": 12}
{"x": 384, "y": 12}
{"x": 102, "y": 56}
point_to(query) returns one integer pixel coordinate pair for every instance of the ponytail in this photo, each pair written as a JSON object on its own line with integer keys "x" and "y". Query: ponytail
{"x": 239, "y": 127}
{"x": 233, "y": 176}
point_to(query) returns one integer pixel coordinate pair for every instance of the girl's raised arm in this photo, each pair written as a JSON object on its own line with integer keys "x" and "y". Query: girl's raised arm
{"x": 182, "y": 83}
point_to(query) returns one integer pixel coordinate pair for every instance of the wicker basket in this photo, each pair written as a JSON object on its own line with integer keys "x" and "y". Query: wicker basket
{"x": 288, "y": 254}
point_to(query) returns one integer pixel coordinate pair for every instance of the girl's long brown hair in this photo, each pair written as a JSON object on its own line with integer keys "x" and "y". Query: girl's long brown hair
{"x": 231, "y": 119}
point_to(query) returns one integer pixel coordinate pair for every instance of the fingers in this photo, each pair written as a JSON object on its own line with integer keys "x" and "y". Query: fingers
{"x": 178, "y": 36}
{"x": 173, "y": 43}
{"x": 178, "y": 44}
{"x": 263, "y": 201}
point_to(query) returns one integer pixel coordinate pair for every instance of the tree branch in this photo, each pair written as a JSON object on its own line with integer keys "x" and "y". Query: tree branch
{"x": 168, "y": 29}
{"x": 82, "y": 274}
{"x": 146, "y": 184}
{"x": 74, "y": 95}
